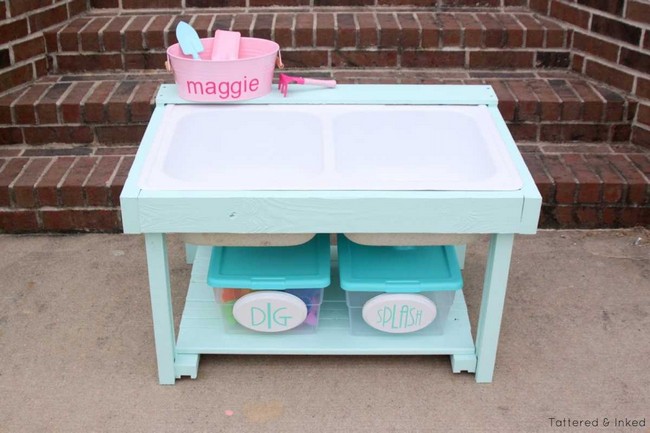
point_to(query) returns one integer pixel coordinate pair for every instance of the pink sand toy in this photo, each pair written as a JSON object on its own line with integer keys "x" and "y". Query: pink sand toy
{"x": 285, "y": 80}
{"x": 248, "y": 76}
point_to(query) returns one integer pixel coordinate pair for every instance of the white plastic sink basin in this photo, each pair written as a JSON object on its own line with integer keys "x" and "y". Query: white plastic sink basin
{"x": 328, "y": 147}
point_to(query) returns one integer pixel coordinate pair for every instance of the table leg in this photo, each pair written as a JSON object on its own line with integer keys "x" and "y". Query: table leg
{"x": 460, "y": 255}
{"x": 494, "y": 292}
{"x": 161, "y": 305}
{"x": 190, "y": 252}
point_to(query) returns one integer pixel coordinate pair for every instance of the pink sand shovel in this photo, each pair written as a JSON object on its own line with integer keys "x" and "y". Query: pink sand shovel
{"x": 285, "y": 80}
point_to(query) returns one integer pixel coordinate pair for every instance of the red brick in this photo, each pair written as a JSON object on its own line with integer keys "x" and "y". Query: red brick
{"x": 621, "y": 132}
{"x": 16, "y": 76}
{"x": 638, "y": 190}
{"x": 283, "y": 30}
{"x": 534, "y": 34}
{"x": 46, "y": 110}
{"x": 305, "y": 58}
{"x": 549, "y": 102}
{"x": 506, "y": 99}
{"x": 389, "y": 31}
{"x": 613, "y": 28}
{"x": 58, "y": 134}
{"x": 116, "y": 107}
{"x": 433, "y": 59}
{"x": 243, "y": 23}
{"x": 95, "y": 104}
{"x": 24, "y": 106}
{"x": 23, "y": 187}
{"x": 48, "y": 18}
{"x": 610, "y": 75}
{"x": 472, "y": 30}
{"x": 104, "y": 4}
{"x": 202, "y": 25}
{"x": 21, "y": 7}
{"x": 89, "y": 37}
{"x": 13, "y": 30}
{"x": 112, "y": 34}
{"x": 134, "y": 33}
{"x": 643, "y": 114}
{"x": 563, "y": 215}
{"x": 121, "y": 173}
{"x": 142, "y": 104}
{"x": 29, "y": 48}
{"x": 613, "y": 183}
{"x": 69, "y": 35}
{"x": 592, "y": 105}
{"x": 551, "y": 132}
{"x": 451, "y": 31}
{"x": 361, "y": 58}
{"x": 570, "y": 14}
{"x": 7, "y": 175}
{"x": 514, "y": 31}
{"x": 501, "y": 60}
{"x": 585, "y": 132}
{"x": 263, "y": 26}
{"x": 410, "y": 30}
{"x": 70, "y": 107}
{"x": 587, "y": 216}
{"x": 592, "y": 45}
{"x": 46, "y": 189}
{"x": 119, "y": 134}
{"x": 493, "y": 32}
{"x": 222, "y": 22}
{"x": 71, "y": 191}
{"x": 144, "y": 60}
{"x": 430, "y": 33}
{"x": 151, "y": 4}
{"x": 643, "y": 87}
{"x": 614, "y": 104}
{"x": 570, "y": 102}
{"x": 58, "y": 220}
{"x": 18, "y": 221}
{"x": 641, "y": 136}
{"x": 154, "y": 35}
{"x": 638, "y": 11}
{"x": 304, "y": 30}
{"x": 589, "y": 184}
{"x": 68, "y": 63}
{"x": 97, "y": 220}
{"x": 97, "y": 185}
{"x": 368, "y": 30}
{"x": 527, "y": 102}
{"x": 11, "y": 135}
{"x": 346, "y": 35}
{"x": 524, "y": 131}
{"x": 325, "y": 33}
{"x": 6, "y": 102}
{"x": 555, "y": 34}
{"x": 565, "y": 182}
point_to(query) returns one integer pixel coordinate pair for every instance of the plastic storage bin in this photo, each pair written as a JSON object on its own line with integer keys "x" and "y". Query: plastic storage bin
{"x": 271, "y": 289}
{"x": 398, "y": 290}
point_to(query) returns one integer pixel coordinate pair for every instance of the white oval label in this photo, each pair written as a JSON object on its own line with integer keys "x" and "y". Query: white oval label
{"x": 399, "y": 313}
{"x": 268, "y": 311}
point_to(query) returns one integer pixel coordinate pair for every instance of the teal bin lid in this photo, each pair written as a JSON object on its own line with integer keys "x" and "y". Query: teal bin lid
{"x": 365, "y": 268}
{"x": 305, "y": 266}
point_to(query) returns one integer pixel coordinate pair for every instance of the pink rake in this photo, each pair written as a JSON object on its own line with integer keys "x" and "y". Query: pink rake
{"x": 285, "y": 80}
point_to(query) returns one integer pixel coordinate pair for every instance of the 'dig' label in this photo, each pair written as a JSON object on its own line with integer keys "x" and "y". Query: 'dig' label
{"x": 267, "y": 311}
{"x": 399, "y": 313}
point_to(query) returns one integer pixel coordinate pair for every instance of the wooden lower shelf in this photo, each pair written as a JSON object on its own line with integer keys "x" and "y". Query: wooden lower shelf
{"x": 202, "y": 330}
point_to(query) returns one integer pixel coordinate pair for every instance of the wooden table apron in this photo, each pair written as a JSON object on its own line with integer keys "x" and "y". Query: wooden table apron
{"x": 498, "y": 213}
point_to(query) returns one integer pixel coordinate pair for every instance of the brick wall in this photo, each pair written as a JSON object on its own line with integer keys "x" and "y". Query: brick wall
{"x": 610, "y": 43}
{"x": 22, "y": 43}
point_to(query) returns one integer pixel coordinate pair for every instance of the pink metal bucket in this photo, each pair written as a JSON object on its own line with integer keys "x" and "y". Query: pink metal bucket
{"x": 207, "y": 80}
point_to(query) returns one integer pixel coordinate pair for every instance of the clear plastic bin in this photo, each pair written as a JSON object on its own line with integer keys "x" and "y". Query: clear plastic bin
{"x": 419, "y": 284}
{"x": 285, "y": 286}
{"x": 226, "y": 299}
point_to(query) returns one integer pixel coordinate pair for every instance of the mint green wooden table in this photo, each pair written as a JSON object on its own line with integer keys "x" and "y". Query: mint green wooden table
{"x": 498, "y": 213}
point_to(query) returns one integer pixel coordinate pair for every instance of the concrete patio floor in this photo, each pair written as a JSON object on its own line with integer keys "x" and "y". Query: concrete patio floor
{"x": 77, "y": 350}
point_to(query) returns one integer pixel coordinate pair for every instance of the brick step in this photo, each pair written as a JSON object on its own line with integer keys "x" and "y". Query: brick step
{"x": 99, "y": 109}
{"x": 62, "y": 189}
{"x": 323, "y": 38}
